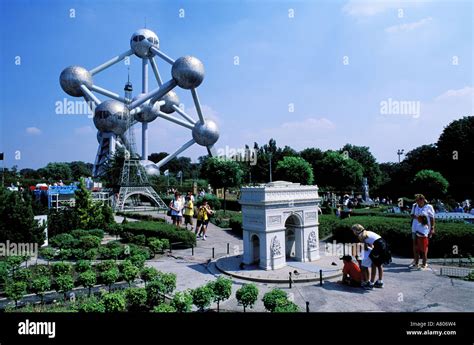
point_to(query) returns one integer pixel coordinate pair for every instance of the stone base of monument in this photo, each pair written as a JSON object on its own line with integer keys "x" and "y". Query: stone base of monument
{"x": 300, "y": 271}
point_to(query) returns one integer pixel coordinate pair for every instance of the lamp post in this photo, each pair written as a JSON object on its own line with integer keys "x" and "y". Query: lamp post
{"x": 399, "y": 153}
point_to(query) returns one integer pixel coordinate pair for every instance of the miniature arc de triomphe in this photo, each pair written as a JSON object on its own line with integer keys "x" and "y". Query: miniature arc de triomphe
{"x": 280, "y": 223}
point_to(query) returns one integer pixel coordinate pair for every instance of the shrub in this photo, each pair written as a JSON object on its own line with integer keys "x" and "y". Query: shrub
{"x": 63, "y": 241}
{"x": 83, "y": 266}
{"x": 15, "y": 290}
{"x": 78, "y": 233}
{"x": 64, "y": 283}
{"x": 202, "y": 297}
{"x": 40, "y": 285}
{"x": 22, "y": 274}
{"x": 110, "y": 276}
{"x": 271, "y": 298}
{"x": 168, "y": 280}
{"x": 157, "y": 246}
{"x": 164, "y": 308}
{"x": 397, "y": 233}
{"x": 182, "y": 302}
{"x": 114, "y": 302}
{"x": 160, "y": 230}
{"x": 129, "y": 272}
{"x": 285, "y": 306}
{"x": 155, "y": 292}
{"x": 87, "y": 279}
{"x": 89, "y": 242}
{"x": 60, "y": 268}
{"x": 136, "y": 298}
{"x": 247, "y": 295}
{"x": 96, "y": 232}
{"x": 139, "y": 240}
{"x": 106, "y": 265}
{"x": 91, "y": 305}
{"x": 47, "y": 253}
{"x": 138, "y": 260}
{"x": 148, "y": 274}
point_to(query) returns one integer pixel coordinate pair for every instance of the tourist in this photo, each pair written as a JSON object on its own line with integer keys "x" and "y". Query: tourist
{"x": 351, "y": 273}
{"x": 176, "y": 206}
{"x": 188, "y": 212}
{"x": 458, "y": 208}
{"x": 190, "y": 196}
{"x": 422, "y": 228}
{"x": 376, "y": 255}
{"x": 203, "y": 219}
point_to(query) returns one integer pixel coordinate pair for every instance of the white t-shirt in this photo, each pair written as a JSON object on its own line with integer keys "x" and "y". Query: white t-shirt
{"x": 371, "y": 237}
{"x": 426, "y": 211}
{"x": 178, "y": 204}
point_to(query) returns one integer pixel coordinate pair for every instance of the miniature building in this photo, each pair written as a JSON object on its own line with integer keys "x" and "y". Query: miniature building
{"x": 280, "y": 223}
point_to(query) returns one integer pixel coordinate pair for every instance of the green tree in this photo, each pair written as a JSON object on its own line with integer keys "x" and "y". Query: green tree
{"x": 40, "y": 285}
{"x": 364, "y": 157}
{"x": 148, "y": 274}
{"x": 222, "y": 289}
{"x": 247, "y": 295}
{"x": 168, "y": 280}
{"x": 182, "y": 302}
{"x": 56, "y": 172}
{"x": 431, "y": 183}
{"x": 110, "y": 276}
{"x": 83, "y": 206}
{"x": 15, "y": 290}
{"x": 338, "y": 172}
{"x": 456, "y": 152}
{"x": 80, "y": 169}
{"x": 114, "y": 302}
{"x": 63, "y": 284}
{"x": 270, "y": 299}
{"x": 222, "y": 173}
{"x": 17, "y": 223}
{"x": 129, "y": 272}
{"x": 295, "y": 169}
{"x": 47, "y": 253}
{"x": 88, "y": 279}
{"x": 83, "y": 266}
{"x": 61, "y": 268}
{"x": 155, "y": 292}
{"x": 136, "y": 298}
{"x": 202, "y": 297}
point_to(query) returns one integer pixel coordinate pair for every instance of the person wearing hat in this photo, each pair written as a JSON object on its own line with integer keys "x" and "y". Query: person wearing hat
{"x": 422, "y": 228}
{"x": 351, "y": 274}
{"x": 376, "y": 255}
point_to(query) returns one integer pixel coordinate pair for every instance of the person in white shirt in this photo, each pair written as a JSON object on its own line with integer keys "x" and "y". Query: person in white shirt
{"x": 376, "y": 254}
{"x": 422, "y": 228}
{"x": 176, "y": 206}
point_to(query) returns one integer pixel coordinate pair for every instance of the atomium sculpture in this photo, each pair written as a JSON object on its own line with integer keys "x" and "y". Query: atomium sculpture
{"x": 114, "y": 117}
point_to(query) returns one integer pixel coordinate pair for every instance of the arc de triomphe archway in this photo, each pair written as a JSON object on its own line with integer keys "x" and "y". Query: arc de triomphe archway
{"x": 280, "y": 223}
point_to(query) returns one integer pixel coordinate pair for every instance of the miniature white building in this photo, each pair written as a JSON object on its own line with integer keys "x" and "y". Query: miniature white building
{"x": 280, "y": 223}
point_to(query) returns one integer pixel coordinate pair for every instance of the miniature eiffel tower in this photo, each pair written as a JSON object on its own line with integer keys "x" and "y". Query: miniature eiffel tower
{"x": 134, "y": 179}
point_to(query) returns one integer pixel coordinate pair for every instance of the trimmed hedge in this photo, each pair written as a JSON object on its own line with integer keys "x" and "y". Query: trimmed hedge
{"x": 140, "y": 216}
{"x": 397, "y": 232}
{"x": 162, "y": 231}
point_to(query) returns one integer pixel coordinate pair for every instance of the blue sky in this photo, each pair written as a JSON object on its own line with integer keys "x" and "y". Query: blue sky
{"x": 334, "y": 62}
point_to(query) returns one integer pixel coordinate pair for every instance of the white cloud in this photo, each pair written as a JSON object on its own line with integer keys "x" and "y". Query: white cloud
{"x": 33, "y": 131}
{"x": 83, "y": 130}
{"x": 408, "y": 26}
{"x": 207, "y": 111}
{"x": 467, "y": 92}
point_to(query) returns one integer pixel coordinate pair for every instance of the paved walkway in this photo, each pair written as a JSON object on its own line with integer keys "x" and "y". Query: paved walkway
{"x": 405, "y": 290}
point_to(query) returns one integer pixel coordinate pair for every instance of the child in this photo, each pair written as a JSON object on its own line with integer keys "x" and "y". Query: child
{"x": 203, "y": 219}
{"x": 188, "y": 212}
{"x": 351, "y": 274}
{"x": 375, "y": 257}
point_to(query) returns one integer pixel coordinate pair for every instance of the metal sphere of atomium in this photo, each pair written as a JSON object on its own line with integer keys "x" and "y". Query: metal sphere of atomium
{"x": 72, "y": 78}
{"x": 111, "y": 116}
{"x": 206, "y": 133}
{"x": 171, "y": 98}
{"x": 188, "y": 72}
{"x": 141, "y": 42}
{"x": 148, "y": 113}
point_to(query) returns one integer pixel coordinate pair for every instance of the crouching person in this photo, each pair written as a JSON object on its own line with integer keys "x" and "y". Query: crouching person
{"x": 376, "y": 255}
{"x": 351, "y": 274}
